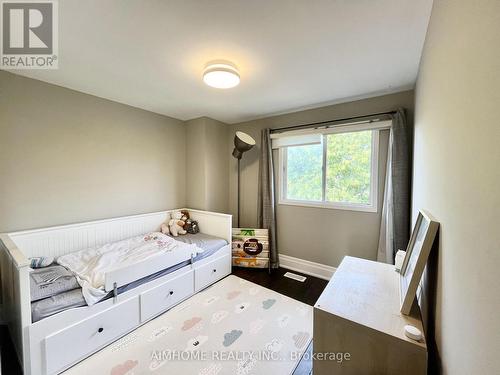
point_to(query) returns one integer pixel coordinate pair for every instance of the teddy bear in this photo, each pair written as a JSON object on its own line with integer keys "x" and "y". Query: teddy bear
{"x": 190, "y": 226}
{"x": 165, "y": 229}
{"x": 185, "y": 216}
{"x": 176, "y": 225}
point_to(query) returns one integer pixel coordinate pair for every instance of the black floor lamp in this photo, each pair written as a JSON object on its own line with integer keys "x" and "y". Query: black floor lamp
{"x": 242, "y": 143}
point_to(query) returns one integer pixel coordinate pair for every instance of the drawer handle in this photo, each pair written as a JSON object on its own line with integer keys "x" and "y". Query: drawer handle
{"x": 171, "y": 292}
{"x": 100, "y": 330}
{"x": 214, "y": 270}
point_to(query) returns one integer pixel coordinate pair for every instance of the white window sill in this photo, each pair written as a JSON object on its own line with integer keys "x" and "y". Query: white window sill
{"x": 331, "y": 206}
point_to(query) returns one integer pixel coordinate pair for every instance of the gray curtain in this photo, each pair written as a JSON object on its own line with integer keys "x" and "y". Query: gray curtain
{"x": 395, "y": 225}
{"x": 266, "y": 213}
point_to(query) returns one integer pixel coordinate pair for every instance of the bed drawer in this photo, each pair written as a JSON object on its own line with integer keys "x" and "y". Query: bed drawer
{"x": 166, "y": 295}
{"x": 211, "y": 272}
{"x": 71, "y": 344}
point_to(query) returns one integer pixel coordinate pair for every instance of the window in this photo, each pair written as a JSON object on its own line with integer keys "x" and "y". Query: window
{"x": 339, "y": 171}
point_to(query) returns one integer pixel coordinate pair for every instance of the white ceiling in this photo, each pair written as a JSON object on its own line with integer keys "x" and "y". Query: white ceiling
{"x": 291, "y": 54}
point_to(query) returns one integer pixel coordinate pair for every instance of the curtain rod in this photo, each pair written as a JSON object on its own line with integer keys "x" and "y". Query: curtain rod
{"x": 318, "y": 124}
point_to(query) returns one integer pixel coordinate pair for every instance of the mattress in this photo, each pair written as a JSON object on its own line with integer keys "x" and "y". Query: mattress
{"x": 208, "y": 243}
{"x": 74, "y": 298}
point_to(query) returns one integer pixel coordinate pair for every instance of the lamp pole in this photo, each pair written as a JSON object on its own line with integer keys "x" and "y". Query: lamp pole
{"x": 239, "y": 189}
{"x": 242, "y": 143}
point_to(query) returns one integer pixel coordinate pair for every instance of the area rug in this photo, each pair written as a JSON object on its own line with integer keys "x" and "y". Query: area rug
{"x": 233, "y": 327}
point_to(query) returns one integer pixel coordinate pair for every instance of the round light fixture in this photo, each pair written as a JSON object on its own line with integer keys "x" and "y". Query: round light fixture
{"x": 221, "y": 75}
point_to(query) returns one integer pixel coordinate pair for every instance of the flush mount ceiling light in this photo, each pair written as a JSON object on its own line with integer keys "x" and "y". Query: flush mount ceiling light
{"x": 221, "y": 75}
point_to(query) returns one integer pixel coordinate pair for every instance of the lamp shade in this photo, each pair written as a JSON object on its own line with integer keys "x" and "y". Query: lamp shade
{"x": 242, "y": 143}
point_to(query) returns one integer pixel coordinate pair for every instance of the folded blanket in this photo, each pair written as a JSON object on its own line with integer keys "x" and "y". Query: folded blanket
{"x": 52, "y": 305}
{"x": 90, "y": 265}
{"x": 49, "y": 281}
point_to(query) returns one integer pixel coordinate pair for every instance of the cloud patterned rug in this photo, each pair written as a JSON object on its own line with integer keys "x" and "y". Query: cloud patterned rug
{"x": 233, "y": 327}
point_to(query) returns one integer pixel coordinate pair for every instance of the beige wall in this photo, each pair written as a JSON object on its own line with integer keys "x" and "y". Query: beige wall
{"x": 69, "y": 157}
{"x": 216, "y": 165}
{"x": 457, "y": 178}
{"x": 195, "y": 179}
{"x": 315, "y": 234}
{"x": 208, "y": 170}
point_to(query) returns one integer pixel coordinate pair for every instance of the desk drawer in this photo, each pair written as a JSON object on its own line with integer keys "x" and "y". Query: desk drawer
{"x": 211, "y": 272}
{"x": 166, "y": 295}
{"x": 71, "y": 344}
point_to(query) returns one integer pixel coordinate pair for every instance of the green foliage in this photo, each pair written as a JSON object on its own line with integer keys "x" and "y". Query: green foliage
{"x": 347, "y": 174}
{"x": 348, "y": 167}
{"x": 304, "y": 172}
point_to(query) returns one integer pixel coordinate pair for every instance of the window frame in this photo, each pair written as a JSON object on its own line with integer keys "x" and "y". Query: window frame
{"x": 374, "y": 179}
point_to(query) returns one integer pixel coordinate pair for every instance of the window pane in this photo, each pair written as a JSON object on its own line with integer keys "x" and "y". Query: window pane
{"x": 304, "y": 172}
{"x": 349, "y": 167}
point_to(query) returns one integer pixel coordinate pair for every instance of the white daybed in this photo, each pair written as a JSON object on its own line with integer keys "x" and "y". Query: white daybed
{"x": 55, "y": 343}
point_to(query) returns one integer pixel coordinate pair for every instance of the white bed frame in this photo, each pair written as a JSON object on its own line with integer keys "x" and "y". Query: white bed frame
{"x": 55, "y": 343}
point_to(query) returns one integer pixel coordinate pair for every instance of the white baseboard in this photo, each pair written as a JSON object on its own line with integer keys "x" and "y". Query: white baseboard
{"x": 307, "y": 267}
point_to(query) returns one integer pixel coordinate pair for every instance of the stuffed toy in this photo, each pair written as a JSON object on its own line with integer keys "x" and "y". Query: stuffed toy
{"x": 176, "y": 225}
{"x": 165, "y": 229}
{"x": 185, "y": 216}
{"x": 191, "y": 226}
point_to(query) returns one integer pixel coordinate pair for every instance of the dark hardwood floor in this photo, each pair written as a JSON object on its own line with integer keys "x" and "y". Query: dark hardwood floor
{"x": 307, "y": 292}
{"x": 10, "y": 365}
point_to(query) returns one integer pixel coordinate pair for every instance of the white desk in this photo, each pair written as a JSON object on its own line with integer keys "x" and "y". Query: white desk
{"x": 358, "y": 313}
